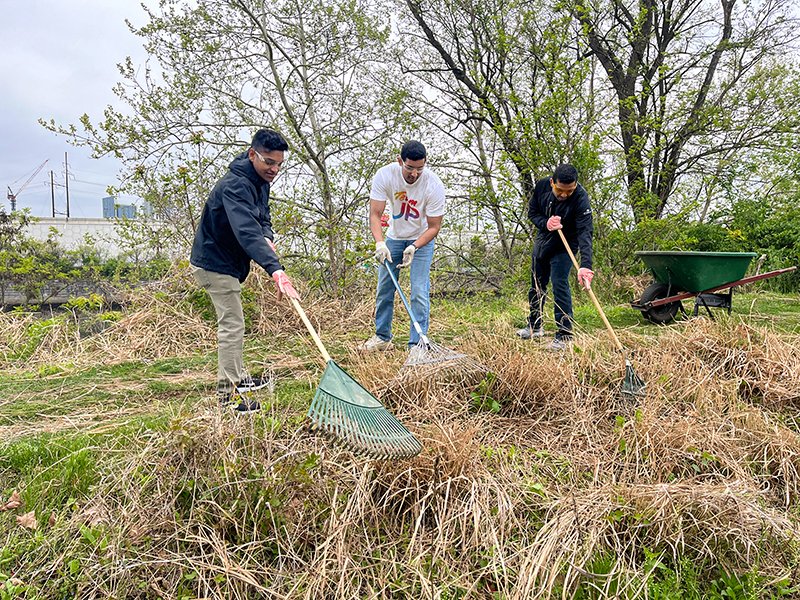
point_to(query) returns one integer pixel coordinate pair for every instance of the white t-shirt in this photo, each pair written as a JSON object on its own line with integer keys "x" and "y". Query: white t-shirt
{"x": 410, "y": 205}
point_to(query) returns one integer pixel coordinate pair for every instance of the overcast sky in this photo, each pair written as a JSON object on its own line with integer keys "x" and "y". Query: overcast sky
{"x": 59, "y": 61}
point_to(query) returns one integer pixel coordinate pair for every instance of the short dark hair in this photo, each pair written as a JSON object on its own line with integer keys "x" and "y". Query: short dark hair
{"x": 413, "y": 150}
{"x": 269, "y": 140}
{"x": 565, "y": 173}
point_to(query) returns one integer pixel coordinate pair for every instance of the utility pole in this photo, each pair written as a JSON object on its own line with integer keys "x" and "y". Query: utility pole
{"x": 52, "y": 194}
{"x": 66, "y": 181}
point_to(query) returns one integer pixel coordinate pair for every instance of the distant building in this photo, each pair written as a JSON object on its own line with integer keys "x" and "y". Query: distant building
{"x": 109, "y": 202}
{"x": 112, "y": 210}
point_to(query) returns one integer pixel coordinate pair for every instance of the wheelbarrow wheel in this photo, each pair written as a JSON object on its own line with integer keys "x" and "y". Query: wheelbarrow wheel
{"x": 663, "y": 314}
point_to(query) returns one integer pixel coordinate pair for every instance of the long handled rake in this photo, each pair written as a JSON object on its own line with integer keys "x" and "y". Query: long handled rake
{"x": 427, "y": 353}
{"x": 343, "y": 409}
{"x": 632, "y": 385}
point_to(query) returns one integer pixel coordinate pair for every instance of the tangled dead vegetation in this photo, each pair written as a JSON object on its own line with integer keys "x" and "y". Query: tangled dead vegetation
{"x": 157, "y": 322}
{"x": 537, "y": 480}
{"x": 160, "y": 320}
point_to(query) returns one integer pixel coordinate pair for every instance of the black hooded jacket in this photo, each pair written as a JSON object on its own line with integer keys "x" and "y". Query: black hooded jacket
{"x": 576, "y": 220}
{"x": 234, "y": 223}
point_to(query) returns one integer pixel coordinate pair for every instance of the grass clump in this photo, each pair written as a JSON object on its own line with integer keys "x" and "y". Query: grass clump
{"x": 538, "y": 479}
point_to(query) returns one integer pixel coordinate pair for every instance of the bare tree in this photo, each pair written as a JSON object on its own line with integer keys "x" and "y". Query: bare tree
{"x": 691, "y": 85}
{"x": 512, "y": 87}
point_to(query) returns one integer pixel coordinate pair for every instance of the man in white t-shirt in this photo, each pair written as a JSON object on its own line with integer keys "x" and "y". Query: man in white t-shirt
{"x": 416, "y": 201}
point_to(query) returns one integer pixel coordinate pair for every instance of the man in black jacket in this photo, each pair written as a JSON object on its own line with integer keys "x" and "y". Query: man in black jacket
{"x": 234, "y": 229}
{"x": 558, "y": 202}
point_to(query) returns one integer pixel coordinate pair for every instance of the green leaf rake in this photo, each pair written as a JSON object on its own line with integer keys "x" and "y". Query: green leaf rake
{"x": 344, "y": 410}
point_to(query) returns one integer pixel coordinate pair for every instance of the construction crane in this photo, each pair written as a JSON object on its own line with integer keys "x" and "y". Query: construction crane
{"x": 12, "y": 195}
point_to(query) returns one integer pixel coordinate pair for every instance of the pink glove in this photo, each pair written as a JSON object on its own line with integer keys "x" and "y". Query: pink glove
{"x": 585, "y": 277}
{"x": 553, "y": 223}
{"x": 284, "y": 285}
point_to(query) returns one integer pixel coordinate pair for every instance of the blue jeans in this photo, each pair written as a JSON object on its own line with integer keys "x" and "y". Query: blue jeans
{"x": 420, "y": 289}
{"x": 555, "y": 268}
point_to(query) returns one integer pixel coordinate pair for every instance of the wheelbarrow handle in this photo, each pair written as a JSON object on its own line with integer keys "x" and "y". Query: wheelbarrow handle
{"x": 592, "y": 296}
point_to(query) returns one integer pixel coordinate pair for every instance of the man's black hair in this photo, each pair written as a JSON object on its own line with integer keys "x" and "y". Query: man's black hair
{"x": 413, "y": 150}
{"x": 268, "y": 140}
{"x": 565, "y": 173}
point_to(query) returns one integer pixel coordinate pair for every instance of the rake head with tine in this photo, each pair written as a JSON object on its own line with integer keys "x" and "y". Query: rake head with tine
{"x": 357, "y": 420}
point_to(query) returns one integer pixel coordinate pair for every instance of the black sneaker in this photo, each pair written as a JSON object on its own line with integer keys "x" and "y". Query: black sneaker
{"x": 238, "y": 403}
{"x": 251, "y": 384}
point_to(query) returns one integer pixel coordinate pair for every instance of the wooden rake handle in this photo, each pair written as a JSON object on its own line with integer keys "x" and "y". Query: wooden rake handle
{"x": 591, "y": 295}
{"x": 311, "y": 329}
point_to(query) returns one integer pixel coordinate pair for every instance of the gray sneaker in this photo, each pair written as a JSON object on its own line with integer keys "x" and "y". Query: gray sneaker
{"x": 376, "y": 344}
{"x": 557, "y": 345}
{"x": 526, "y": 333}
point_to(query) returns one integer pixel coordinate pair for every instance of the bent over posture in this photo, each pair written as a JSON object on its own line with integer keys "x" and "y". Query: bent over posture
{"x": 558, "y": 202}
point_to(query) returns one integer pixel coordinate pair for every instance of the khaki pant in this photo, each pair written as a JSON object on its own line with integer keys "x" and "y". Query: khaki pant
{"x": 226, "y": 294}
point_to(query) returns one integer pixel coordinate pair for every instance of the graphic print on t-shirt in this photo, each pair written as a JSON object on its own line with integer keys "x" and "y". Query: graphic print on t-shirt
{"x": 407, "y": 210}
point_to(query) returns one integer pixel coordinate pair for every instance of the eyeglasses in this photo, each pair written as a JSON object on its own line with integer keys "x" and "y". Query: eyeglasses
{"x": 561, "y": 192}
{"x": 271, "y": 164}
{"x": 413, "y": 169}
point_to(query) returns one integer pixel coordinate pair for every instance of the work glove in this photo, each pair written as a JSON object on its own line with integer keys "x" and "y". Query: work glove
{"x": 553, "y": 223}
{"x": 585, "y": 277}
{"x": 284, "y": 286}
{"x": 382, "y": 252}
{"x": 408, "y": 256}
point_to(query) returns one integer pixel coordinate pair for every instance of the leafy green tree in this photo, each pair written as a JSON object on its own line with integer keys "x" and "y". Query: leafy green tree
{"x": 36, "y": 269}
{"x": 315, "y": 70}
{"x": 12, "y": 243}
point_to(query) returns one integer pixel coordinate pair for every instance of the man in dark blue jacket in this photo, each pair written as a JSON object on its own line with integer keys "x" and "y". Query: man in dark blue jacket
{"x": 234, "y": 229}
{"x": 558, "y": 202}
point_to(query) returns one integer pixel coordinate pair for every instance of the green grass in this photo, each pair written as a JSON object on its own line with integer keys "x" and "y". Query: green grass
{"x": 104, "y": 414}
{"x": 780, "y": 312}
{"x": 106, "y": 387}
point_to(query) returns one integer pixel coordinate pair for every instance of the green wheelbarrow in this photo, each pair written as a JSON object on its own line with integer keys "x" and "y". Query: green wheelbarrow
{"x": 708, "y": 277}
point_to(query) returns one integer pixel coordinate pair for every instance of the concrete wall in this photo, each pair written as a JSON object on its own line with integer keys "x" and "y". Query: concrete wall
{"x": 73, "y": 232}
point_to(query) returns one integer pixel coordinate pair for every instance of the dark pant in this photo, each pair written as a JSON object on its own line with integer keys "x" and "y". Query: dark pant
{"x": 555, "y": 268}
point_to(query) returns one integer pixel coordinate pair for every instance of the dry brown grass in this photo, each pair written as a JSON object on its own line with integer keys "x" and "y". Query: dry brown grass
{"x": 515, "y": 504}
{"x": 157, "y": 323}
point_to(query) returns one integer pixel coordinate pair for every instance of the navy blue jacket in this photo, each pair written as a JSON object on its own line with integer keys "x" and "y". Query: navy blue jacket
{"x": 234, "y": 223}
{"x": 576, "y": 220}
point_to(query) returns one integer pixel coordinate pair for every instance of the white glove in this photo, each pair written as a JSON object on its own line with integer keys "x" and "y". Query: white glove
{"x": 382, "y": 252}
{"x": 553, "y": 223}
{"x": 408, "y": 256}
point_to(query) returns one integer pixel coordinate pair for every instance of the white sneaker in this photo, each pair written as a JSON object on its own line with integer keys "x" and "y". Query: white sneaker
{"x": 526, "y": 333}
{"x": 376, "y": 344}
{"x": 557, "y": 345}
